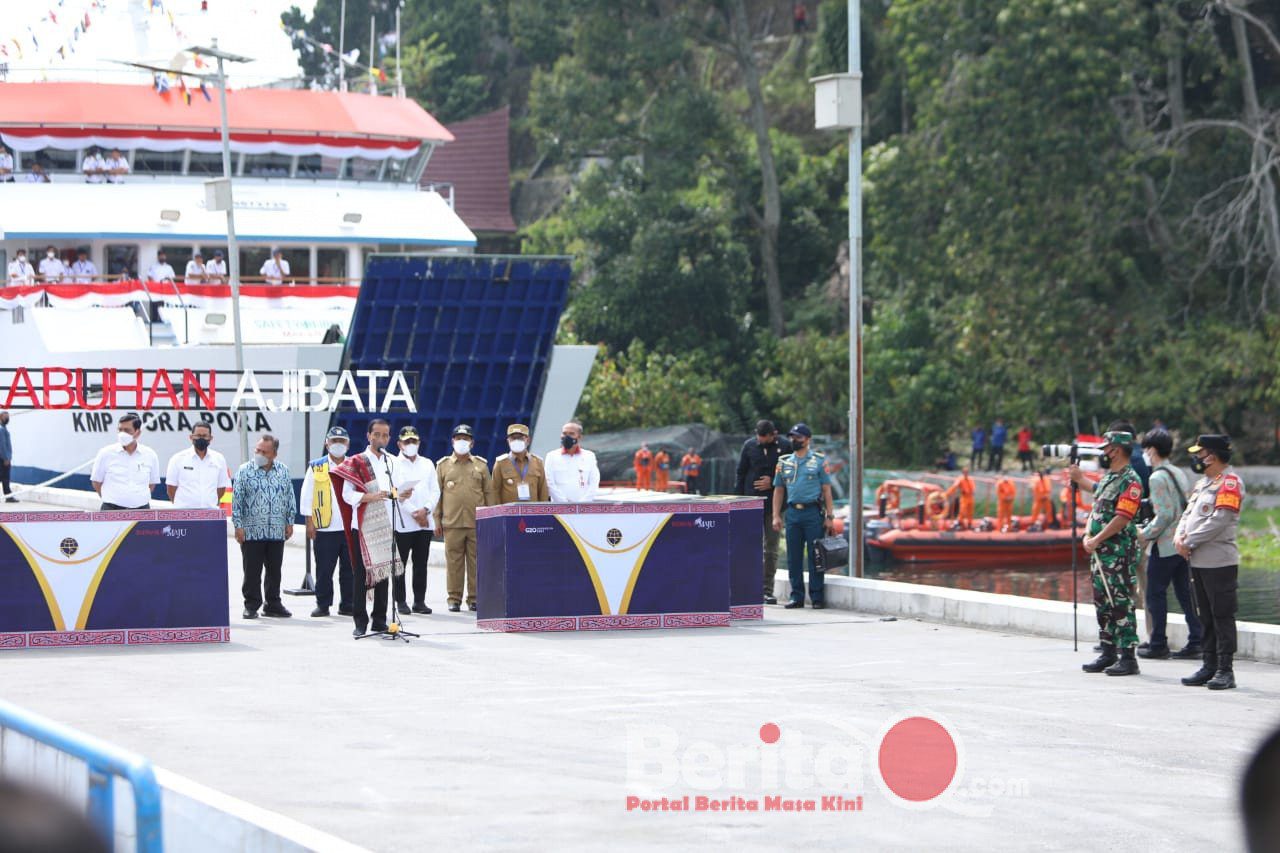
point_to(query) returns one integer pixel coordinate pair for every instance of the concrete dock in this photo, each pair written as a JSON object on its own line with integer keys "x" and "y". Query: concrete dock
{"x": 536, "y": 741}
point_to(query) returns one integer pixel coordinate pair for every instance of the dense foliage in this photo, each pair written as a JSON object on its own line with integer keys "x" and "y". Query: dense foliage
{"x": 1064, "y": 200}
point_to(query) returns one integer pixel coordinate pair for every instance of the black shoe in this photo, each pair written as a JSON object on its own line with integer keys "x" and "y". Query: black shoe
{"x": 250, "y": 614}
{"x": 1143, "y": 646}
{"x": 421, "y": 608}
{"x": 1154, "y": 652}
{"x": 1204, "y": 674}
{"x": 1127, "y": 665}
{"x": 1106, "y": 659}
{"x": 1098, "y": 647}
{"x": 793, "y": 605}
{"x": 403, "y": 607}
{"x": 357, "y": 632}
{"x": 769, "y": 599}
{"x": 11, "y": 500}
{"x": 1191, "y": 651}
{"x": 819, "y": 605}
{"x": 320, "y": 611}
{"x": 454, "y": 607}
{"x": 379, "y": 629}
{"x": 1225, "y": 677}
{"x": 472, "y": 607}
{"x": 277, "y": 610}
{"x": 344, "y": 611}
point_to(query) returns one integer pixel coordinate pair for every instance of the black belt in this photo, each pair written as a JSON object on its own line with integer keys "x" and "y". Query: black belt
{"x": 803, "y": 506}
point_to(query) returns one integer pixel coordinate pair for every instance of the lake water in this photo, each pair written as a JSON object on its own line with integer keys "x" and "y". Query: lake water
{"x": 1259, "y": 587}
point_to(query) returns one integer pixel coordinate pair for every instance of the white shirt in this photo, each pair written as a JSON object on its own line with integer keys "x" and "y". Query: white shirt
{"x": 195, "y": 272}
{"x": 572, "y": 478}
{"x": 33, "y": 178}
{"x": 6, "y": 166}
{"x": 275, "y": 272}
{"x": 126, "y": 478}
{"x": 116, "y": 163}
{"x": 93, "y": 167}
{"x": 84, "y": 272}
{"x": 198, "y": 480}
{"x": 426, "y": 494}
{"x": 215, "y": 268}
{"x": 160, "y": 272}
{"x": 353, "y": 498}
{"x": 21, "y": 272}
{"x": 306, "y": 504}
{"x": 52, "y": 269}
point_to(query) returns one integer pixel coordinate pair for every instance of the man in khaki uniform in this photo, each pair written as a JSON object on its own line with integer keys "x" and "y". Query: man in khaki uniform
{"x": 518, "y": 476}
{"x": 464, "y": 485}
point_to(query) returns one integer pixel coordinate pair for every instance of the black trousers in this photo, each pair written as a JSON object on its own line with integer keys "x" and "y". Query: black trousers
{"x": 261, "y": 559}
{"x": 692, "y": 485}
{"x": 413, "y": 545}
{"x": 360, "y": 606}
{"x": 6, "y": 470}
{"x": 331, "y": 550}
{"x": 995, "y": 462}
{"x": 106, "y": 507}
{"x": 1216, "y": 600}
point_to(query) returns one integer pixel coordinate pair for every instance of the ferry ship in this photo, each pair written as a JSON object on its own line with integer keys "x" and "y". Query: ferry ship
{"x": 331, "y": 180}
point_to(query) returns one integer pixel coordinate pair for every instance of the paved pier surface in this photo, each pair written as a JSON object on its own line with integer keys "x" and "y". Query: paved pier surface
{"x": 535, "y": 741}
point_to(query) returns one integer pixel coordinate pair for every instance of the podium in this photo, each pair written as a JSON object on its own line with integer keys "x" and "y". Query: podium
{"x": 113, "y": 578}
{"x": 605, "y": 566}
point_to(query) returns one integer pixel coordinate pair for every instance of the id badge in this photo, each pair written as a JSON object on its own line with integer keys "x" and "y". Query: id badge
{"x": 522, "y": 491}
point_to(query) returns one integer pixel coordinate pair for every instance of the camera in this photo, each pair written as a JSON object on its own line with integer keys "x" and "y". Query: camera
{"x": 1146, "y": 511}
{"x": 1073, "y": 453}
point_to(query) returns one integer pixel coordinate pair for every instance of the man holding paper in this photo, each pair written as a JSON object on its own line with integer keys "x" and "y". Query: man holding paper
{"x": 419, "y": 492}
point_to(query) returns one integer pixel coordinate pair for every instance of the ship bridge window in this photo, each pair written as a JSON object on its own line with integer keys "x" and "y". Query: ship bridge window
{"x": 268, "y": 165}
{"x": 177, "y": 257}
{"x": 146, "y": 161}
{"x": 53, "y": 160}
{"x": 122, "y": 260}
{"x": 360, "y": 169}
{"x": 316, "y": 166}
{"x": 203, "y": 163}
{"x": 331, "y": 266}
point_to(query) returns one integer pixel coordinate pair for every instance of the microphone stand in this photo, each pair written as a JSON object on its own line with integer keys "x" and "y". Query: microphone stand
{"x": 394, "y": 630}
{"x": 1075, "y": 597}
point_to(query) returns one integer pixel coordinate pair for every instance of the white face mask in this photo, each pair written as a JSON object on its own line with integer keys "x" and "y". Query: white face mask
{"x": 410, "y": 450}
{"x": 50, "y": 254}
{"x": 125, "y": 439}
{"x": 461, "y": 446}
{"x": 337, "y": 450}
{"x": 260, "y": 460}
{"x": 518, "y": 445}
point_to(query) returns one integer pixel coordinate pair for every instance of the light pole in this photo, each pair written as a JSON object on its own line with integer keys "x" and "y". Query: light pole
{"x": 838, "y": 105}
{"x": 220, "y": 193}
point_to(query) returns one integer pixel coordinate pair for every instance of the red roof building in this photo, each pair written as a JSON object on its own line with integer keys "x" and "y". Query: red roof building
{"x": 478, "y": 166}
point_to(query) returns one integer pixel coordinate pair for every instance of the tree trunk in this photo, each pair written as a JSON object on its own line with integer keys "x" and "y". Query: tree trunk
{"x": 745, "y": 56}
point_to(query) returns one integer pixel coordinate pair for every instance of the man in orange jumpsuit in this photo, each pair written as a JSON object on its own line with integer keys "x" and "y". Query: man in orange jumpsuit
{"x": 963, "y": 485}
{"x": 1042, "y": 500}
{"x": 643, "y": 463}
{"x": 662, "y": 464}
{"x": 1006, "y": 492}
{"x": 691, "y": 465}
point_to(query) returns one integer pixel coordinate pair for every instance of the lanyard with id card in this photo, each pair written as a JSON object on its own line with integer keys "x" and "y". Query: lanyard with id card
{"x": 522, "y": 488}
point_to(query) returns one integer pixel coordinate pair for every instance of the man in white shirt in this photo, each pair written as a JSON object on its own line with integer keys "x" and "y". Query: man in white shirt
{"x": 319, "y": 504}
{"x": 125, "y": 471}
{"x": 572, "y": 473}
{"x": 196, "y": 272}
{"x": 83, "y": 270}
{"x": 52, "y": 269}
{"x": 160, "y": 270}
{"x": 116, "y": 167}
{"x": 38, "y": 175}
{"x": 413, "y": 518}
{"x": 275, "y": 269}
{"x": 94, "y": 168}
{"x": 216, "y": 269}
{"x": 197, "y": 478}
{"x": 20, "y": 270}
{"x": 6, "y": 166}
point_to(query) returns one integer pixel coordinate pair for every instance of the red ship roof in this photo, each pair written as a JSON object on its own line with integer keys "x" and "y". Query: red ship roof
{"x": 284, "y": 111}
{"x": 479, "y": 168}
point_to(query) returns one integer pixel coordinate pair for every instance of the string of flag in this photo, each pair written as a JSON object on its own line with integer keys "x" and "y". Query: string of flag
{"x": 53, "y": 36}
{"x": 350, "y": 59}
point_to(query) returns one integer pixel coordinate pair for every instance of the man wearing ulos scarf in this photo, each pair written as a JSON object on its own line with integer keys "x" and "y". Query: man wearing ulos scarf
{"x": 367, "y": 493}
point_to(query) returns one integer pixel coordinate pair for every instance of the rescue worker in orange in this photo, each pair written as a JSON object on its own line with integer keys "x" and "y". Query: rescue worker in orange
{"x": 662, "y": 467}
{"x": 691, "y": 465}
{"x": 643, "y": 463}
{"x": 1042, "y": 500}
{"x": 963, "y": 485}
{"x": 1006, "y": 492}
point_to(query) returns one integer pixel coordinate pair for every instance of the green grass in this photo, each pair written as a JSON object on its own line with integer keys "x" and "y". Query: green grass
{"x": 1259, "y": 539}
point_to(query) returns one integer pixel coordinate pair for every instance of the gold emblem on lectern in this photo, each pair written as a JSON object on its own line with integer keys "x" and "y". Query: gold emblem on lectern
{"x": 68, "y": 547}
{"x": 614, "y": 536}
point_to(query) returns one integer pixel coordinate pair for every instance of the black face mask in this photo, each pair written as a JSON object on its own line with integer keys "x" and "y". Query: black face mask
{"x": 201, "y": 444}
{"x": 1197, "y": 464}
{"x": 1104, "y": 462}
{"x": 567, "y": 442}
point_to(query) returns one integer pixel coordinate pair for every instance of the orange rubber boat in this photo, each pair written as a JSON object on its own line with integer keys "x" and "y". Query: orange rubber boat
{"x": 972, "y": 546}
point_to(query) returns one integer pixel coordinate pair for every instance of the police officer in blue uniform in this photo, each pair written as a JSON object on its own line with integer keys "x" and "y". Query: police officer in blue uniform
{"x": 802, "y": 488}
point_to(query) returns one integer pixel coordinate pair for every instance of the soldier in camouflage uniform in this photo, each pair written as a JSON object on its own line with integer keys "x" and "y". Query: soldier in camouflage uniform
{"x": 1111, "y": 540}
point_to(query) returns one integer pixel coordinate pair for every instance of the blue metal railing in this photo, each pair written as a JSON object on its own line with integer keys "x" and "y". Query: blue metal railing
{"x": 104, "y": 761}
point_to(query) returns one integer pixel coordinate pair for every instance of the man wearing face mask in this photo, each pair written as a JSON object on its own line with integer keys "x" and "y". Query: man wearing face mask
{"x": 1206, "y": 536}
{"x": 464, "y": 485}
{"x": 125, "y": 471}
{"x": 802, "y": 486}
{"x": 52, "y": 269}
{"x": 757, "y": 464}
{"x": 519, "y": 475}
{"x": 1111, "y": 540}
{"x": 367, "y": 494}
{"x": 319, "y": 504}
{"x": 20, "y": 271}
{"x": 572, "y": 473}
{"x": 262, "y": 513}
{"x": 414, "y": 521}
{"x": 197, "y": 478}
{"x": 6, "y": 460}
{"x": 161, "y": 270}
